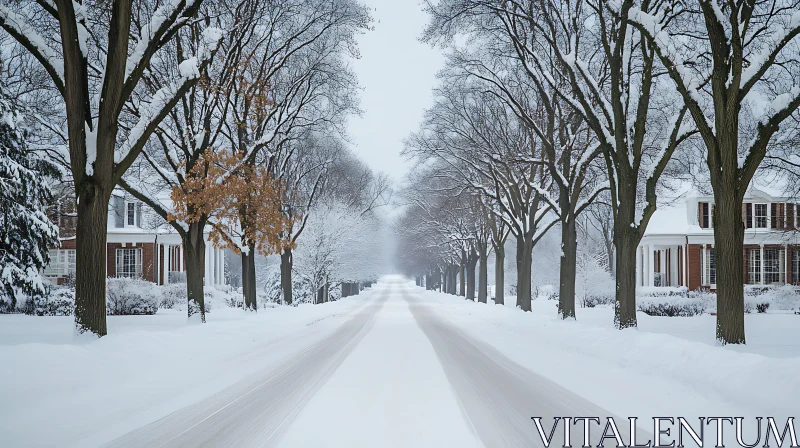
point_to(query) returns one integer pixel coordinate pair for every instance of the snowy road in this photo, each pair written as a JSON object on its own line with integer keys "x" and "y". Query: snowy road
{"x": 396, "y": 374}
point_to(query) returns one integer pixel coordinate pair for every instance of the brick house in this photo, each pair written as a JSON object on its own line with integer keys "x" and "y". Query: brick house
{"x": 139, "y": 244}
{"x": 678, "y": 246}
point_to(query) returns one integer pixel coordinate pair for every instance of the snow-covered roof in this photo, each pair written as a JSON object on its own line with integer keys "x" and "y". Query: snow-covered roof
{"x": 672, "y": 219}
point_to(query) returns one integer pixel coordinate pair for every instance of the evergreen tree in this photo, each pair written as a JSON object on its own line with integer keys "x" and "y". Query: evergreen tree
{"x": 25, "y": 230}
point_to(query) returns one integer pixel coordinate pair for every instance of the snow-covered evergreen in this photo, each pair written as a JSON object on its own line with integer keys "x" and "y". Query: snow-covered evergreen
{"x": 25, "y": 230}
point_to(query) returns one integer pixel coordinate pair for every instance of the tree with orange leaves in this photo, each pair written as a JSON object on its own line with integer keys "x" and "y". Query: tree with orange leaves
{"x": 247, "y": 206}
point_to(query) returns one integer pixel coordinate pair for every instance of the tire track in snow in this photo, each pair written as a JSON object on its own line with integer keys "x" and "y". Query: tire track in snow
{"x": 499, "y": 397}
{"x": 256, "y": 412}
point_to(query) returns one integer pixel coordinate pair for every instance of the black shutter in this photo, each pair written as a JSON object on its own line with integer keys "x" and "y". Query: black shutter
{"x": 772, "y": 222}
{"x": 749, "y": 216}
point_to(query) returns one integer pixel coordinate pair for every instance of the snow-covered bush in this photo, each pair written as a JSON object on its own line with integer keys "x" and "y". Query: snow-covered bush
{"x": 662, "y": 291}
{"x": 671, "y": 306}
{"x": 173, "y": 296}
{"x": 126, "y": 296}
{"x": 777, "y": 298}
{"x": 59, "y": 302}
{"x": 548, "y": 292}
{"x": 592, "y": 301}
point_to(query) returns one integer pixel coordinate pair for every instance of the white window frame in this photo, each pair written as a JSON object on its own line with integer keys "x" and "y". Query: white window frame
{"x": 780, "y": 263}
{"x": 795, "y": 266}
{"x": 131, "y": 210}
{"x": 754, "y": 267}
{"x": 62, "y": 263}
{"x": 756, "y": 215}
{"x": 136, "y": 270}
{"x": 708, "y": 255}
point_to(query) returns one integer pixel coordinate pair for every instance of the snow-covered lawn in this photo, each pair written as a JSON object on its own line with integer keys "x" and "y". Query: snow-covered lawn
{"x": 669, "y": 366}
{"x": 773, "y": 334}
{"x": 147, "y": 367}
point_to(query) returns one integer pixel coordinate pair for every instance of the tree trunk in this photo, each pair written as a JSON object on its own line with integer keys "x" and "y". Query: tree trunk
{"x": 462, "y": 270}
{"x": 326, "y": 292}
{"x": 524, "y": 253}
{"x": 626, "y": 242}
{"x": 318, "y": 297}
{"x": 454, "y": 279}
{"x": 499, "y": 275}
{"x": 472, "y": 260}
{"x": 194, "y": 248}
{"x": 728, "y": 250}
{"x": 569, "y": 251}
{"x": 483, "y": 274}
{"x": 90, "y": 256}
{"x": 249, "y": 279}
{"x": 286, "y": 275}
{"x": 612, "y": 265}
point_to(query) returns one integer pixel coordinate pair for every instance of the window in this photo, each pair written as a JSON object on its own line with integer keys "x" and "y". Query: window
{"x": 131, "y": 213}
{"x": 761, "y": 216}
{"x": 62, "y": 263}
{"x": 796, "y": 266}
{"x": 711, "y": 267}
{"x": 129, "y": 263}
{"x": 754, "y": 266}
{"x": 774, "y": 266}
{"x": 705, "y": 221}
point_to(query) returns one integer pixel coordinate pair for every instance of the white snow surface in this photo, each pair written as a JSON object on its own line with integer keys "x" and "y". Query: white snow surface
{"x": 393, "y": 386}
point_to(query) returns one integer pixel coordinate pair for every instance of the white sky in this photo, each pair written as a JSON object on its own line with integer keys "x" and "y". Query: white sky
{"x": 397, "y": 73}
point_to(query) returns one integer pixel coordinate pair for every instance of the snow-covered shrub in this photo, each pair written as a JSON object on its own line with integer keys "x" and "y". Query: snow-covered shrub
{"x": 126, "y": 296}
{"x": 59, "y": 302}
{"x": 173, "y": 296}
{"x": 671, "y": 306}
{"x": 594, "y": 300}
{"x": 662, "y": 291}
{"x": 272, "y": 292}
{"x": 8, "y": 304}
{"x": 548, "y": 292}
{"x": 760, "y": 298}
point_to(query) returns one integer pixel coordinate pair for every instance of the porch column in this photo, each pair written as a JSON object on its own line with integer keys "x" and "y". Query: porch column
{"x": 662, "y": 266}
{"x": 639, "y": 267}
{"x": 650, "y": 266}
{"x": 674, "y": 267}
{"x": 221, "y": 255}
{"x": 206, "y": 266}
{"x": 786, "y": 262}
{"x": 686, "y": 265}
{"x": 167, "y": 262}
{"x": 703, "y": 251}
{"x": 761, "y": 247}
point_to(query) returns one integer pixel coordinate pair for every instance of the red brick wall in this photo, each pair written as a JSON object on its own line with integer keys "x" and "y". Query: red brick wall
{"x": 694, "y": 266}
{"x": 148, "y": 261}
{"x": 68, "y": 244}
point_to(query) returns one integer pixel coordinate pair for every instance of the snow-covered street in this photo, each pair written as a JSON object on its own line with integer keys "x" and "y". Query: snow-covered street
{"x": 394, "y": 366}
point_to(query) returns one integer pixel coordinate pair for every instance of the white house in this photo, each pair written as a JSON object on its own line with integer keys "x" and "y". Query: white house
{"x": 678, "y": 246}
{"x": 139, "y": 244}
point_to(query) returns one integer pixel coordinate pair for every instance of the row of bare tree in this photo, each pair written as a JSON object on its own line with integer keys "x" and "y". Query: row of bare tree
{"x": 142, "y": 94}
{"x": 546, "y": 106}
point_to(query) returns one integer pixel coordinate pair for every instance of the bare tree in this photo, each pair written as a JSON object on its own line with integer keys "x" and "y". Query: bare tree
{"x": 729, "y": 60}
{"x": 488, "y": 149}
{"x": 598, "y": 65}
{"x": 97, "y": 67}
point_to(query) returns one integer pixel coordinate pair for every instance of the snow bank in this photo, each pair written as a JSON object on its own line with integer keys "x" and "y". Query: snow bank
{"x": 748, "y": 381}
{"x": 144, "y": 369}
